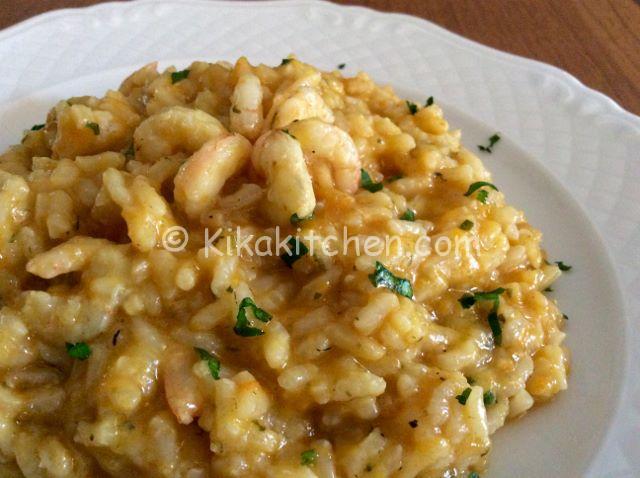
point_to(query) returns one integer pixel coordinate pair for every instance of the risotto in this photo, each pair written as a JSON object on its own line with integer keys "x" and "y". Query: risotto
{"x": 151, "y": 327}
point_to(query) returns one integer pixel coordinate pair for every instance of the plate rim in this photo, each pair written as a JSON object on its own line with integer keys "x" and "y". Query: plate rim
{"x": 502, "y": 56}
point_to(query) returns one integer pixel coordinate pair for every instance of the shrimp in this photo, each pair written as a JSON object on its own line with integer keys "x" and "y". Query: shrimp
{"x": 201, "y": 178}
{"x": 306, "y": 103}
{"x": 328, "y": 145}
{"x": 146, "y": 213}
{"x": 180, "y": 384}
{"x": 176, "y": 129}
{"x": 298, "y": 100}
{"x": 246, "y": 115}
{"x": 69, "y": 256}
{"x": 279, "y": 158}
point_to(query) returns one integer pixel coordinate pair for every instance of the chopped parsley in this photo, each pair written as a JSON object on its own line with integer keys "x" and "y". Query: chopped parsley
{"x": 212, "y": 362}
{"x": 464, "y": 396}
{"x": 95, "y": 127}
{"x": 563, "y": 267}
{"x": 242, "y": 327}
{"x": 474, "y": 474}
{"x": 308, "y": 457}
{"x": 413, "y": 423}
{"x": 367, "y": 183}
{"x": 492, "y": 141}
{"x": 79, "y": 350}
{"x": 429, "y": 101}
{"x": 394, "y": 178}
{"x": 37, "y": 127}
{"x": 177, "y": 76}
{"x": 466, "y": 225}
{"x": 565, "y": 316}
{"x": 341, "y": 66}
{"x": 496, "y": 328}
{"x": 286, "y": 131}
{"x": 413, "y": 108}
{"x": 548, "y": 289}
{"x": 409, "y": 215}
{"x": 489, "y": 398}
{"x": 285, "y": 61}
{"x": 483, "y": 194}
{"x": 295, "y": 219}
{"x": 382, "y": 277}
{"x": 297, "y": 250}
{"x": 468, "y": 300}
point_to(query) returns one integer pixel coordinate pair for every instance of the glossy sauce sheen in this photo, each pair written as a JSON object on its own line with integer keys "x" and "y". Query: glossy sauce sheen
{"x": 329, "y": 376}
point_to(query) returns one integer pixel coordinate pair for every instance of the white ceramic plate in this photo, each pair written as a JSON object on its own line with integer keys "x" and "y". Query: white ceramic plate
{"x": 570, "y": 157}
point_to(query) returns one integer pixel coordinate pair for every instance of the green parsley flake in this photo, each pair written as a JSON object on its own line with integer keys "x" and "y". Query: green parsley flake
{"x": 496, "y": 328}
{"x": 177, "y": 76}
{"x": 308, "y": 457}
{"x": 492, "y": 141}
{"x": 394, "y": 178}
{"x": 464, "y": 396}
{"x": 468, "y": 300}
{"x": 212, "y": 362}
{"x": 367, "y": 183}
{"x": 413, "y": 108}
{"x": 489, "y": 398}
{"x": 409, "y": 215}
{"x": 242, "y": 327}
{"x": 285, "y": 61}
{"x": 341, "y": 66}
{"x": 466, "y": 225}
{"x": 37, "y": 127}
{"x": 382, "y": 277}
{"x": 474, "y": 474}
{"x": 482, "y": 194}
{"x": 295, "y": 219}
{"x": 80, "y": 350}
{"x": 563, "y": 267}
{"x": 95, "y": 127}
{"x": 296, "y": 252}
{"x": 429, "y": 101}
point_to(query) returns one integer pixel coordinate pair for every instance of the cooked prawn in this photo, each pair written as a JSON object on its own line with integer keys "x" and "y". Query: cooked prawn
{"x": 329, "y": 146}
{"x": 279, "y": 158}
{"x": 246, "y": 115}
{"x": 180, "y": 384}
{"x": 176, "y": 129}
{"x": 69, "y": 256}
{"x": 201, "y": 178}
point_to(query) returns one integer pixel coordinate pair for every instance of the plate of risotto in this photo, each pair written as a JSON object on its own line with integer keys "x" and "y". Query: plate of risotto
{"x": 272, "y": 240}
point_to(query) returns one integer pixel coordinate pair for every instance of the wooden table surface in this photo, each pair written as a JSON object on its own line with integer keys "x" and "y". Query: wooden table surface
{"x": 598, "y": 41}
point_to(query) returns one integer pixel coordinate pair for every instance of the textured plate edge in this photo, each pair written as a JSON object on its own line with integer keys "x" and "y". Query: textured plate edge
{"x": 528, "y": 64}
